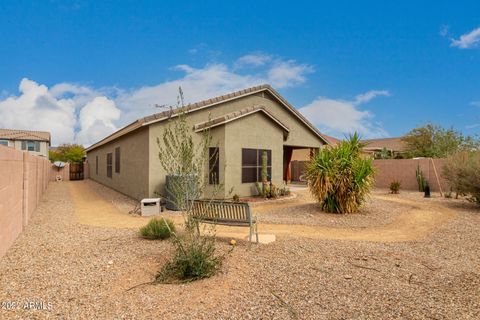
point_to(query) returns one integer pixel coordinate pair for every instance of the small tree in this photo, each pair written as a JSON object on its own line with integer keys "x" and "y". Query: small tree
{"x": 462, "y": 171}
{"x": 186, "y": 159}
{"x": 339, "y": 178}
{"x": 436, "y": 142}
{"x": 67, "y": 153}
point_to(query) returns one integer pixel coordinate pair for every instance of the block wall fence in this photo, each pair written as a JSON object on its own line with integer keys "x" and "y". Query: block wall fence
{"x": 402, "y": 170}
{"x": 23, "y": 180}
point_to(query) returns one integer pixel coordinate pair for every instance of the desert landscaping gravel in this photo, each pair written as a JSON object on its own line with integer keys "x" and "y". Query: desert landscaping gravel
{"x": 84, "y": 272}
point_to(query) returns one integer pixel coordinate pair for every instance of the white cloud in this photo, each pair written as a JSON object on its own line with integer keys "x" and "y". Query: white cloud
{"x": 75, "y": 113}
{"x": 288, "y": 73}
{"x": 37, "y": 108}
{"x": 467, "y": 40}
{"x": 342, "y": 117}
{"x": 253, "y": 60}
{"x": 97, "y": 120}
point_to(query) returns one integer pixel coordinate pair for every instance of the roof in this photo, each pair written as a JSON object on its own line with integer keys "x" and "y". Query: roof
{"x": 332, "y": 141}
{"x": 394, "y": 144}
{"x": 10, "y": 134}
{"x": 235, "y": 116}
{"x": 165, "y": 115}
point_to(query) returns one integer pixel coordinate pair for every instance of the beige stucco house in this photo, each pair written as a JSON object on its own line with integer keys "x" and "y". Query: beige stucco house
{"x": 35, "y": 142}
{"x": 242, "y": 124}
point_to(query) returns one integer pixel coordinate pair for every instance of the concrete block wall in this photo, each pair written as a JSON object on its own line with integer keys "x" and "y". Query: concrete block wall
{"x": 23, "y": 180}
{"x": 404, "y": 170}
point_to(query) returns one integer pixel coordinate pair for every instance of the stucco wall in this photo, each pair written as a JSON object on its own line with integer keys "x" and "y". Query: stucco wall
{"x": 254, "y": 132}
{"x": 263, "y": 133}
{"x": 134, "y": 158}
{"x": 24, "y": 178}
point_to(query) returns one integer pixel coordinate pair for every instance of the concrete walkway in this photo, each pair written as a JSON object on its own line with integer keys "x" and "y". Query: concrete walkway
{"x": 419, "y": 221}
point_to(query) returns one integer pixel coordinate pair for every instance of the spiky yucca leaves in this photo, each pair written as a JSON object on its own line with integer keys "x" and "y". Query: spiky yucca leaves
{"x": 339, "y": 178}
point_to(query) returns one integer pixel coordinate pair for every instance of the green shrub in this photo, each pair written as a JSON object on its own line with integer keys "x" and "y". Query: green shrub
{"x": 284, "y": 190}
{"x": 158, "y": 228}
{"x": 194, "y": 259}
{"x": 339, "y": 178}
{"x": 236, "y": 198}
{"x": 395, "y": 186}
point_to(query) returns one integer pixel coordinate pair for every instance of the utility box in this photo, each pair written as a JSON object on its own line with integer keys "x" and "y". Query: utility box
{"x": 150, "y": 206}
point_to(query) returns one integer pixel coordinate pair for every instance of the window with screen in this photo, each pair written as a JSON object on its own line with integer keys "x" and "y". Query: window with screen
{"x": 213, "y": 166}
{"x": 252, "y": 165}
{"x": 117, "y": 160}
{"x": 109, "y": 165}
{"x": 31, "y": 145}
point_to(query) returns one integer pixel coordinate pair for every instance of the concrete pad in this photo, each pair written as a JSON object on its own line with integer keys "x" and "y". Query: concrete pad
{"x": 263, "y": 238}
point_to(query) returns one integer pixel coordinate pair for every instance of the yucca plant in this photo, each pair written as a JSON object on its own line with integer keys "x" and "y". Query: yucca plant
{"x": 339, "y": 178}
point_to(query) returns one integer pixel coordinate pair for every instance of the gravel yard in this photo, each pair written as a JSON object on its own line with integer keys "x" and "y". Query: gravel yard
{"x": 84, "y": 270}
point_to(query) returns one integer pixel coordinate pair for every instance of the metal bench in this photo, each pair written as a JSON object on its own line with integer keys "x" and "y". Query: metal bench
{"x": 225, "y": 213}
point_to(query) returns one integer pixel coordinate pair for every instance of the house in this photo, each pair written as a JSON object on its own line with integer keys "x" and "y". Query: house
{"x": 242, "y": 124}
{"x": 385, "y": 148}
{"x": 304, "y": 154}
{"x": 35, "y": 142}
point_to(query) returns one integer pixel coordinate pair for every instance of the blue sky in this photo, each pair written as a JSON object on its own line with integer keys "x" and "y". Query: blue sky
{"x": 82, "y": 69}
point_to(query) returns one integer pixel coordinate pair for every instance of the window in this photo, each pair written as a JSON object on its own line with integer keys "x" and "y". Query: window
{"x": 213, "y": 166}
{"x": 4, "y": 143}
{"x": 96, "y": 165}
{"x": 117, "y": 160}
{"x": 31, "y": 145}
{"x": 252, "y": 165}
{"x": 109, "y": 165}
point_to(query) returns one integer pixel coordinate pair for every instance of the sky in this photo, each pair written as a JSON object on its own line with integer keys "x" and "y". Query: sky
{"x": 83, "y": 69}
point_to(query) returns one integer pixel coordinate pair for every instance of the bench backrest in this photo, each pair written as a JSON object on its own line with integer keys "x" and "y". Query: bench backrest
{"x": 222, "y": 211}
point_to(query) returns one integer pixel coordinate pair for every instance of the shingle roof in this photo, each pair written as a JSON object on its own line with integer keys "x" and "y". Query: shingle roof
{"x": 333, "y": 141}
{"x": 10, "y": 134}
{"x": 394, "y": 144}
{"x": 161, "y": 116}
{"x": 235, "y": 116}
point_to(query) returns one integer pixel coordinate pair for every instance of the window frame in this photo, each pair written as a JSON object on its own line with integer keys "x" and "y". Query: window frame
{"x": 117, "y": 160}
{"x": 257, "y": 167}
{"x": 213, "y": 165}
{"x": 109, "y": 165}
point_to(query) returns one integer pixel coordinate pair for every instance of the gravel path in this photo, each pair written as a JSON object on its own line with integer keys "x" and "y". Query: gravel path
{"x": 83, "y": 271}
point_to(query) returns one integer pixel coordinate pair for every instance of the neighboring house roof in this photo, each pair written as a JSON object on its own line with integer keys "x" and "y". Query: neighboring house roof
{"x": 332, "y": 141}
{"x": 10, "y": 134}
{"x": 237, "y": 115}
{"x": 165, "y": 115}
{"x": 393, "y": 144}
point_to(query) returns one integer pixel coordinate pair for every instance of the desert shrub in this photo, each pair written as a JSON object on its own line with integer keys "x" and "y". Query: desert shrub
{"x": 462, "y": 171}
{"x": 267, "y": 190}
{"x": 339, "y": 178}
{"x": 194, "y": 259}
{"x": 284, "y": 190}
{"x": 236, "y": 198}
{"x": 158, "y": 228}
{"x": 422, "y": 183}
{"x": 395, "y": 186}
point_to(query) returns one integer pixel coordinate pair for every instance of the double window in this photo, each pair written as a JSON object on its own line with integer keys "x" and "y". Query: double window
{"x": 109, "y": 164}
{"x": 252, "y": 165}
{"x": 213, "y": 166}
{"x": 31, "y": 145}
